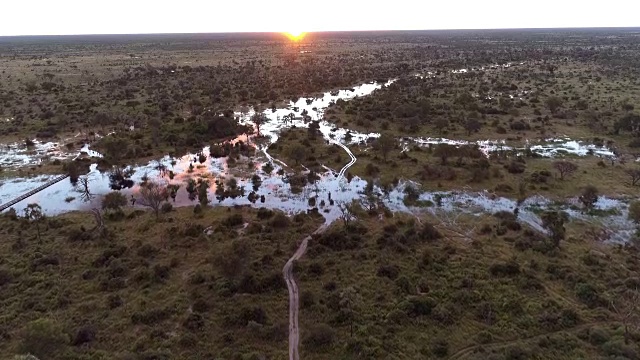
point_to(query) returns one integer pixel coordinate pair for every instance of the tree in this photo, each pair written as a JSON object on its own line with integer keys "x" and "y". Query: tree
{"x": 627, "y": 307}
{"x": 113, "y": 201}
{"x": 346, "y": 213}
{"x": 152, "y": 195}
{"x": 384, "y": 144}
{"x": 634, "y": 174}
{"x": 314, "y": 129}
{"x": 114, "y": 148}
{"x": 589, "y": 197}
{"x": 297, "y": 152}
{"x": 554, "y": 221}
{"x": 33, "y": 213}
{"x": 82, "y": 187}
{"x": 565, "y": 168}
{"x": 505, "y": 103}
{"x": 203, "y": 195}
{"x": 553, "y": 103}
{"x": 349, "y": 303}
{"x": 444, "y": 152}
{"x": 472, "y": 125}
{"x": 634, "y": 211}
{"x": 101, "y": 120}
{"x": 258, "y": 119}
{"x": 630, "y": 123}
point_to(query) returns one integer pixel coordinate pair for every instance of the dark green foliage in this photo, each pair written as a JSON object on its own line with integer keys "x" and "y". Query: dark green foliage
{"x": 418, "y": 306}
{"x": 505, "y": 269}
{"x": 43, "y": 338}
{"x": 554, "y": 221}
{"x": 589, "y": 295}
{"x": 318, "y": 336}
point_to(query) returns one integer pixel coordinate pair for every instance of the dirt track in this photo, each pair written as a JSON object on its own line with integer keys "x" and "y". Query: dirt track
{"x": 294, "y": 296}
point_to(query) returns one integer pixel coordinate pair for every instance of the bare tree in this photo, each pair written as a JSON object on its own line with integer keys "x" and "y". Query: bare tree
{"x": 82, "y": 187}
{"x": 97, "y": 215}
{"x": 152, "y": 195}
{"x": 589, "y": 197}
{"x": 346, "y": 211}
{"x": 565, "y": 168}
{"x": 627, "y": 308}
{"x": 634, "y": 174}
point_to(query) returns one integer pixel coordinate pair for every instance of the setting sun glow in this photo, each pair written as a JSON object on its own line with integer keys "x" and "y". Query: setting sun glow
{"x": 295, "y": 35}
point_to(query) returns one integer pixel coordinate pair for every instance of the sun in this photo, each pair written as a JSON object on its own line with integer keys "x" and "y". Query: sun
{"x": 295, "y": 35}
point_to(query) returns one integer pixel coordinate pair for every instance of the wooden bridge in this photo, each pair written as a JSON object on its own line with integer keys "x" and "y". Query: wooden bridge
{"x": 32, "y": 192}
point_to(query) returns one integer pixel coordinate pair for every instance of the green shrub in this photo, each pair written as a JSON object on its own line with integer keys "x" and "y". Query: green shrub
{"x": 43, "y": 338}
{"x": 418, "y": 306}
{"x": 505, "y": 269}
{"x": 388, "y": 271}
{"x": 440, "y": 348}
{"x": 166, "y": 208}
{"x": 233, "y": 221}
{"x": 619, "y": 348}
{"x": 588, "y": 294}
{"x": 598, "y": 336}
{"x": 318, "y": 336}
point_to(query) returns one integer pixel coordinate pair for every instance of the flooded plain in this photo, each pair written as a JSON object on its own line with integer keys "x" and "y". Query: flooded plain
{"x": 274, "y": 189}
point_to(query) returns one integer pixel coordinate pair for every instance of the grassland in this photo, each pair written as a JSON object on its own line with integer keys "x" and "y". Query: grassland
{"x": 374, "y": 289}
{"x": 207, "y": 283}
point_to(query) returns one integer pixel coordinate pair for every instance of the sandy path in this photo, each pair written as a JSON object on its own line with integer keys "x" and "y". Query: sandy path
{"x": 294, "y": 296}
{"x": 292, "y": 286}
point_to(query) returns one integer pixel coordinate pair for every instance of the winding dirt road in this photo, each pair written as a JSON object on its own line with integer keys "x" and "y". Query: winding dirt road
{"x": 294, "y": 295}
{"x": 287, "y": 272}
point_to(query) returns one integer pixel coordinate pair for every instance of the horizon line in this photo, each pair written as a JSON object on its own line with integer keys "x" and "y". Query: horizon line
{"x": 334, "y": 31}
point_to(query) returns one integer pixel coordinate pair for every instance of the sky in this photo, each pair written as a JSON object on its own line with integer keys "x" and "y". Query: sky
{"x": 63, "y": 17}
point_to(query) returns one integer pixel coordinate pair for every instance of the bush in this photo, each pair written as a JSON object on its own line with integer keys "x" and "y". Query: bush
{"x": 507, "y": 269}
{"x": 147, "y": 251}
{"x": 85, "y": 334}
{"x": 397, "y": 317}
{"x": 515, "y": 167}
{"x": 280, "y": 221}
{"x": 150, "y": 317}
{"x": 5, "y": 277}
{"x": 43, "y": 338}
{"x": 194, "y": 322}
{"x": 319, "y": 336}
{"x": 161, "y": 272}
{"x": 166, "y": 208}
{"x": 598, "y": 336}
{"x": 619, "y": 348}
{"x": 419, "y": 306}
{"x": 429, "y": 232}
{"x": 388, "y": 271}
{"x": 247, "y": 314}
{"x": 193, "y": 230}
{"x": 519, "y": 126}
{"x": 440, "y": 348}
{"x": 588, "y": 294}
{"x": 233, "y": 221}
{"x": 78, "y": 234}
{"x": 264, "y": 213}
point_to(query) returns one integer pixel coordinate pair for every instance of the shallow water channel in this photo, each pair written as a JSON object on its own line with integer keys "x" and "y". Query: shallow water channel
{"x": 275, "y": 192}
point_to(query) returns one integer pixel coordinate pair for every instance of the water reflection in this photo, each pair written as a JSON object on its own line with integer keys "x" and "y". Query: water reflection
{"x": 242, "y": 172}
